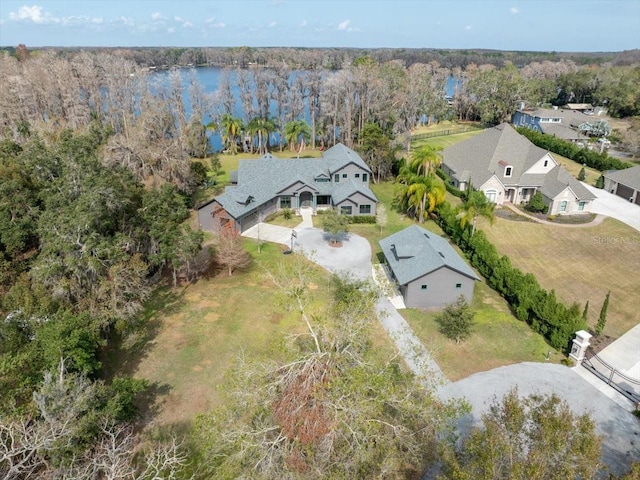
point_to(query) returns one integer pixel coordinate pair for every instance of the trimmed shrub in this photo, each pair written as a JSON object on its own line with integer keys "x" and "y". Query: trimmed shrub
{"x": 536, "y": 204}
{"x": 362, "y": 219}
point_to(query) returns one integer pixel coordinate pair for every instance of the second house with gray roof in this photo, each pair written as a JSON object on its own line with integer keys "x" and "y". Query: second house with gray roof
{"x": 429, "y": 272}
{"x": 507, "y": 167}
{"x": 340, "y": 179}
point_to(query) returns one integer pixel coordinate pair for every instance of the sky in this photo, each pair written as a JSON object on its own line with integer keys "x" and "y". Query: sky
{"x": 532, "y": 25}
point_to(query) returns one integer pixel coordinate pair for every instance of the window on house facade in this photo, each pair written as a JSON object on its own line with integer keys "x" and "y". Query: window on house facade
{"x": 581, "y": 206}
{"x": 458, "y": 285}
{"x": 336, "y": 178}
{"x": 364, "y": 177}
{"x": 346, "y": 209}
{"x": 357, "y": 175}
{"x": 546, "y": 162}
{"x": 344, "y": 175}
{"x": 364, "y": 209}
{"x": 507, "y": 171}
{"x": 285, "y": 202}
{"x": 423, "y": 287}
{"x": 563, "y": 206}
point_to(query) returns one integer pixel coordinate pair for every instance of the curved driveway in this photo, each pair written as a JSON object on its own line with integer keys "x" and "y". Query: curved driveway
{"x": 620, "y": 430}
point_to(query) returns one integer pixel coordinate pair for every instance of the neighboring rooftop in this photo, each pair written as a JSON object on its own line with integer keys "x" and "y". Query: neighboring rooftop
{"x": 558, "y": 179}
{"x": 414, "y": 252}
{"x": 492, "y": 149}
{"x": 629, "y": 176}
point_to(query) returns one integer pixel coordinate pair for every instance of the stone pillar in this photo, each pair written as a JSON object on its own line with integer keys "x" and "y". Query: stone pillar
{"x": 580, "y": 345}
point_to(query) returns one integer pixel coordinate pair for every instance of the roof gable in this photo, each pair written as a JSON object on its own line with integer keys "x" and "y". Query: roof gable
{"x": 491, "y": 152}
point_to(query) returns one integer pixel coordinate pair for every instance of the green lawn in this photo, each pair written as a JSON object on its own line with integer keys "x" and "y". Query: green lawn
{"x": 498, "y": 338}
{"x": 579, "y": 263}
{"x": 190, "y": 336}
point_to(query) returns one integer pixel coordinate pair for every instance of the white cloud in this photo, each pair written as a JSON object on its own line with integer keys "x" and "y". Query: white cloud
{"x": 171, "y": 30}
{"x": 187, "y": 24}
{"x": 344, "y": 25}
{"x": 178, "y": 19}
{"x": 158, "y": 17}
{"x": 127, "y": 21}
{"x": 304, "y": 23}
{"x": 213, "y": 23}
{"x": 514, "y": 10}
{"x": 33, "y": 14}
{"x": 467, "y": 28}
{"x": 272, "y": 24}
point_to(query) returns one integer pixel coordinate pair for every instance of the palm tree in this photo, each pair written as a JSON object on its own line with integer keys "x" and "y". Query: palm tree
{"x": 262, "y": 127}
{"x": 426, "y": 159}
{"x": 231, "y": 128}
{"x": 420, "y": 194}
{"x": 297, "y": 130}
{"x": 476, "y": 205}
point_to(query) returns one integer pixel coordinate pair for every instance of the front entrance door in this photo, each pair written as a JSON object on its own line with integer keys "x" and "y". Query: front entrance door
{"x": 306, "y": 199}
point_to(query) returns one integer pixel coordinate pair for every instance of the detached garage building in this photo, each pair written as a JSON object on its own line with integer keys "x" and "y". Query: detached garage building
{"x": 429, "y": 272}
{"x": 624, "y": 183}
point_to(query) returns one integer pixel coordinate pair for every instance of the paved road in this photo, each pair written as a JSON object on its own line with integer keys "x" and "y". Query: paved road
{"x": 613, "y": 206}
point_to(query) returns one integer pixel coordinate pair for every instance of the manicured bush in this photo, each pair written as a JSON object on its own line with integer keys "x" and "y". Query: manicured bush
{"x": 362, "y": 219}
{"x": 536, "y": 204}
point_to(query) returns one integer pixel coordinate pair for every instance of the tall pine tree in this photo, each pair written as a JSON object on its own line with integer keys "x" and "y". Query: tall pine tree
{"x": 602, "y": 319}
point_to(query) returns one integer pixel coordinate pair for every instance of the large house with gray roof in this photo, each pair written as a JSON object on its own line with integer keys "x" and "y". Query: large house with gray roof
{"x": 429, "y": 272}
{"x": 340, "y": 179}
{"x": 507, "y": 167}
{"x": 624, "y": 183}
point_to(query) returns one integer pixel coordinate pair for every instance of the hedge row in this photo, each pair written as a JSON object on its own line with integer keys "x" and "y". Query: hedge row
{"x": 447, "y": 183}
{"x": 529, "y": 301}
{"x": 599, "y": 161}
{"x": 362, "y": 219}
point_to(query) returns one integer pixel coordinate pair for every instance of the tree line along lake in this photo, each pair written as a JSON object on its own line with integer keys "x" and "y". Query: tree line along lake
{"x": 210, "y": 79}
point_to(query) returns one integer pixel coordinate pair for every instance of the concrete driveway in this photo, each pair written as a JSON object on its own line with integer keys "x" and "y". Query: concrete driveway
{"x": 616, "y": 207}
{"x": 619, "y": 428}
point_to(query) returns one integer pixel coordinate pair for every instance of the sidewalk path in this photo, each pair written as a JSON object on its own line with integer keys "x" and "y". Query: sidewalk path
{"x": 596, "y": 221}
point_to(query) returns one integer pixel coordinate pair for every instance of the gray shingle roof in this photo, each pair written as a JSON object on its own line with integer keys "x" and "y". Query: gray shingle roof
{"x": 564, "y": 132}
{"x": 264, "y": 178}
{"x": 414, "y": 252}
{"x": 481, "y": 156}
{"x": 629, "y": 177}
{"x": 345, "y": 189}
{"x": 558, "y": 179}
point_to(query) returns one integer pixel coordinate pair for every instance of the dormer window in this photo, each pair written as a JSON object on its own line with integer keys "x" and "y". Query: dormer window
{"x": 546, "y": 162}
{"x": 507, "y": 171}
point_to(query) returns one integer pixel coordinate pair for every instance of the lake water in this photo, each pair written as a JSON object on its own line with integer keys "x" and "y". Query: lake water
{"x": 209, "y": 78}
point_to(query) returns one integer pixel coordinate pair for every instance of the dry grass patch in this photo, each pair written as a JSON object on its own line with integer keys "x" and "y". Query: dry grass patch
{"x": 580, "y": 264}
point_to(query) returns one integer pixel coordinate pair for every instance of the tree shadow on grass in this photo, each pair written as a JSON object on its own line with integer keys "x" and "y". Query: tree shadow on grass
{"x": 125, "y": 351}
